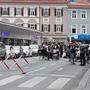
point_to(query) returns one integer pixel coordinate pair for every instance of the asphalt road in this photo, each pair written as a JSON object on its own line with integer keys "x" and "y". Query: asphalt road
{"x": 41, "y": 75}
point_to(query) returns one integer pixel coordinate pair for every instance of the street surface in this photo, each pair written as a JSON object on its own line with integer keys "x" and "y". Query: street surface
{"x": 42, "y": 75}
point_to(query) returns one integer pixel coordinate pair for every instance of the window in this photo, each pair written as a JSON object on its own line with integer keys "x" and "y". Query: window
{"x": 58, "y": 12}
{"x": 46, "y": 27}
{"x": 84, "y": 14}
{"x": 32, "y": 11}
{"x": 83, "y": 29}
{"x": 19, "y": 11}
{"x": 58, "y": 28}
{"x": 32, "y": 26}
{"x": 74, "y": 29}
{"x": 4, "y": 11}
{"x": 45, "y": 11}
{"x": 74, "y": 14}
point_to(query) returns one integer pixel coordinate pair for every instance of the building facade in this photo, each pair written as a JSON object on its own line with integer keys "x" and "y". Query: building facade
{"x": 53, "y": 22}
{"x": 22, "y": 15}
{"x": 47, "y": 16}
{"x": 57, "y": 20}
{"x": 79, "y": 17}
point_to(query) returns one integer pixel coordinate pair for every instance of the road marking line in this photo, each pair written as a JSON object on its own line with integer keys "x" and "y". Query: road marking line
{"x": 68, "y": 76}
{"x": 32, "y": 82}
{"x": 59, "y": 83}
{"x": 54, "y": 75}
{"x": 10, "y": 79}
{"x": 36, "y": 70}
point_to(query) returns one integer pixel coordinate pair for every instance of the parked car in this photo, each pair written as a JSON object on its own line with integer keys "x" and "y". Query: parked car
{"x": 25, "y": 50}
{"x": 2, "y": 50}
{"x": 7, "y": 50}
{"x": 17, "y": 51}
{"x": 33, "y": 49}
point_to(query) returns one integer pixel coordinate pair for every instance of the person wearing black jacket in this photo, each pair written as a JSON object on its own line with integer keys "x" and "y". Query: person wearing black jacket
{"x": 87, "y": 54}
{"x": 82, "y": 55}
{"x": 72, "y": 54}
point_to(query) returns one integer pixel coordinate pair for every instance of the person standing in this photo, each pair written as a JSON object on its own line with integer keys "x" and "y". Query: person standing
{"x": 72, "y": 54}
{"x": 61, "y": 50}
{"x": 82, "y": 56}
{"x": 50, "y": 50}
{"x": 87, "y": 54}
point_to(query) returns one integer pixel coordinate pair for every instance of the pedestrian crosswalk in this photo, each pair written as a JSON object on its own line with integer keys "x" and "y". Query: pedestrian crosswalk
{"x": 59, "y": 83}
{"x": 31, "y": 82}
{"x": 9, "y": 79}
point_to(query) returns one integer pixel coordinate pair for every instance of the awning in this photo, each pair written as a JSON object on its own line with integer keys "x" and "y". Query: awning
{"x": 82, "y": 37}
{"x": 14, "y": 28}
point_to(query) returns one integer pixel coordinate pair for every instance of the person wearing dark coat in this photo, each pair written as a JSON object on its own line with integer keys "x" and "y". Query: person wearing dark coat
{"x": 50, "y": 56}
{"x": 72, "y": 54}
{"x": 82, "y": 56}
{"x": 44, "y": 52}
{"x": 87, "y": 54}
{"x": 61, "y": 50}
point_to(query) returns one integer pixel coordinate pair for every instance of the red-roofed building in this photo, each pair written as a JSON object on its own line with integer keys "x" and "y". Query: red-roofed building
{"x": 35, "y": 1}
{"x": 48, "y": 16}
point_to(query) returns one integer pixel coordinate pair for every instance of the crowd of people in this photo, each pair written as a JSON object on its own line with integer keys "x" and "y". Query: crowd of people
{"x": 81, "y": 52}
{"x": 73, "y": 52}
{"x": 51, "y": 51}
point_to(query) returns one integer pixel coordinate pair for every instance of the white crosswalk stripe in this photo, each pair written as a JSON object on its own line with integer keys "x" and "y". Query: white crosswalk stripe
{"x": 10, "y": 79}
{"x": 32, "y": 82}
{"x": 59, "y": 83}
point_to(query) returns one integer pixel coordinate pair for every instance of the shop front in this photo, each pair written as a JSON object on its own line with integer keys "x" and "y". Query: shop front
{"x": 15, "y": 35}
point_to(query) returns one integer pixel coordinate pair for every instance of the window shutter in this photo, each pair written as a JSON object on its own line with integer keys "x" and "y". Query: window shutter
{"x": 49, "y": 28}
{"x": 0, "y": 10}
{"x": 8, "y": 10}
{"x": 28, "y": 11}
{"x": 49, "y": 11}
{"x": 55, "y": 11}
{"x": 62, "y": 12}
{"x": 28, "y": 25}
{"x": 22, "y": 11}
{"x": 35, "y": 11}
{"x": 15, "y": 11}
{"x": 42, "y": 11}
{"x": 54, "y": 27}
{"x": 35, "y": 26}
{"x": 62, "y": 28}
{"x": 42, "y": 28}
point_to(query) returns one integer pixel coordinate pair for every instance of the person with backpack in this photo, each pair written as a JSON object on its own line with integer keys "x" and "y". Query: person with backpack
{"x": 72, "y": 54}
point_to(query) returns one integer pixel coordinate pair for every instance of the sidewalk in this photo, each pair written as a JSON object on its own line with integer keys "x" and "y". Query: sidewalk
{"x": 85, "y": 81}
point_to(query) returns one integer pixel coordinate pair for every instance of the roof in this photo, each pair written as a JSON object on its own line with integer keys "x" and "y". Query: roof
{"x": 34, "y": 1}
{"x": 82, "y": 4}
{"x": 79, "y": 6}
